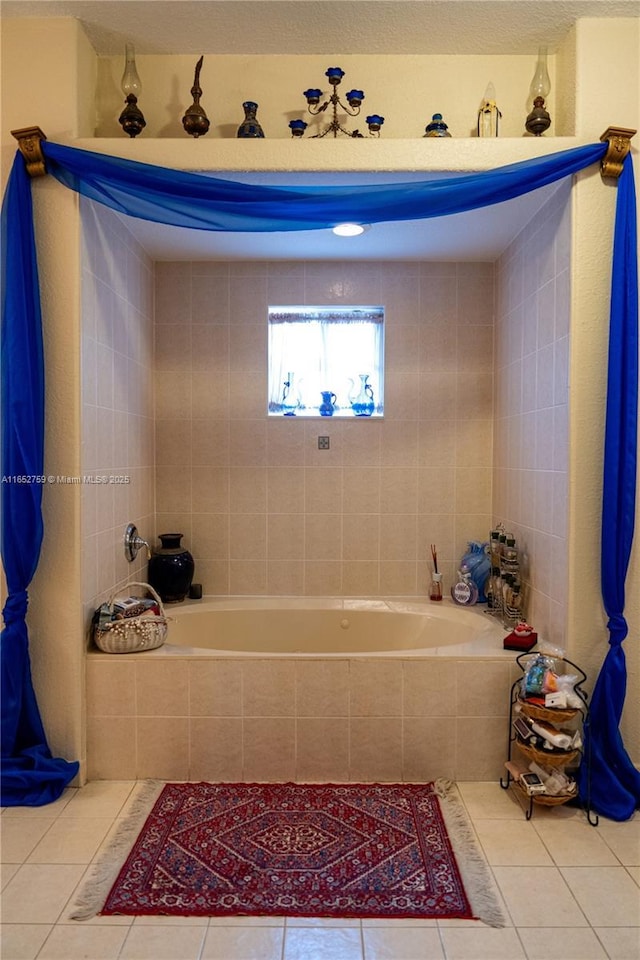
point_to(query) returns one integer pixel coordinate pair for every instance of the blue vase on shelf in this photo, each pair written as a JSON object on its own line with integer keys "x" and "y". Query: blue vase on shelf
{"x": 362, "y": 402}
{"x": 250, "y": 126}
{"x": 328, "y": 404}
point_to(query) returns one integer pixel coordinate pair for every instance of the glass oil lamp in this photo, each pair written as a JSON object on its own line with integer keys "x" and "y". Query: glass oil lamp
{"x": 539, "y": 120}
{"x": 131, "y": 119}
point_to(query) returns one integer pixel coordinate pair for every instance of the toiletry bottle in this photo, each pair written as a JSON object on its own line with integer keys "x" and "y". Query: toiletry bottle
{"x": 436, "y": 587}
{"x": 513, "y": 605}
{"x": 494, "y": 547}
{"x": 464, "y": 591}
{"x": 496, "y": 591}
{"x": 510, "y": 555}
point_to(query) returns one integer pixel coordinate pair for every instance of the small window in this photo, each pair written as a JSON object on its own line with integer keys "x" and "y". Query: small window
{"x": 326, "y": 361}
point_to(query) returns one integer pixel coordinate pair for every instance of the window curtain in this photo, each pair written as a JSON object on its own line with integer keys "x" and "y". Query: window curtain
{"x": 207, "y": 203}
{"x": 614, "y": 782}
{"x": 314, "y": 350}
{"x": 30, "y": 775}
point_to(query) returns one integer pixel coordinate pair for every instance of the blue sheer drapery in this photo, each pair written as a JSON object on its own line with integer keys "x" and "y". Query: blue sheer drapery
{"x": 614, "y": 781}
{"x": 207, "y": 203}
{"x": 30, "y": 775}
{"x": 201, "y": 202}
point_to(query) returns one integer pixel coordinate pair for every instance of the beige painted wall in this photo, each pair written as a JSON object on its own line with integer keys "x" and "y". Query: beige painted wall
{"x": 55, "y": 49}
{"x": 605, "y": 88}
{"x": 405, "y": 90}
{"x": 607, "y": 92}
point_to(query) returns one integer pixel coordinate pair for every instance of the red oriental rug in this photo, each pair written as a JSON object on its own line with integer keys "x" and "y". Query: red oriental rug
{"x": 305, "y": 850}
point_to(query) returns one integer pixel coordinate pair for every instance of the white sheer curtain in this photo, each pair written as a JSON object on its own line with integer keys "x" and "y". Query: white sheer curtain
{"x": 317, "y": 350}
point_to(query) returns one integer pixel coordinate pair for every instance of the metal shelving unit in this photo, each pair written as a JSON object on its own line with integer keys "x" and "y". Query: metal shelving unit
{"x": 555, "y": 758}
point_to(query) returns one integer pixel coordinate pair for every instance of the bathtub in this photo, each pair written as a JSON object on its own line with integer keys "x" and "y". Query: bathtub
{"x": 327, "y": 689}
{"x": 325, "y": 627}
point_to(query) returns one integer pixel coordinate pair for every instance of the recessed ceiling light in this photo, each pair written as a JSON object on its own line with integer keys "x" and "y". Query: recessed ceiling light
{"x": 350, "y": 229}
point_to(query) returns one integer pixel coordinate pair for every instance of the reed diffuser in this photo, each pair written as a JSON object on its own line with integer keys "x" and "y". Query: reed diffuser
{"x": 436, "y": 576}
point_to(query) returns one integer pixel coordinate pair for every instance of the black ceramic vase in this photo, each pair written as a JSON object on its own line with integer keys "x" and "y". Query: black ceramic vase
{"x": 171, "y": 569}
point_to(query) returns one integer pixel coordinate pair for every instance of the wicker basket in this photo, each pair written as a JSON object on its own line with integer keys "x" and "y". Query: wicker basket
{"x": 560, "y": 758}
{"x": 550, "y": 714}
{"x": 545, "y": 799}
{"x": 133, "y": 634}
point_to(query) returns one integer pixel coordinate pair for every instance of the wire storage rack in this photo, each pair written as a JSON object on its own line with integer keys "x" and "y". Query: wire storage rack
{"x": 535, "y": 749}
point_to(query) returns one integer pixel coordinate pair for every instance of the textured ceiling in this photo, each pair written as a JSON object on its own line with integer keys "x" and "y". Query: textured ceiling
{"x": 323, "y": 26}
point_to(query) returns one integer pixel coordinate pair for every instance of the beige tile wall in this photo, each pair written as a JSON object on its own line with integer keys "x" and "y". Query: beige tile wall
{"x": 531, "y": 442}
{"x": 262, "y": 509}
{"x": 117, "y": 400}
{"x": 345, "y": 720}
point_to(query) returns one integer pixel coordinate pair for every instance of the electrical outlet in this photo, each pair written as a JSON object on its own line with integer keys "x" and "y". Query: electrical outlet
{"x": 323, "y": 443}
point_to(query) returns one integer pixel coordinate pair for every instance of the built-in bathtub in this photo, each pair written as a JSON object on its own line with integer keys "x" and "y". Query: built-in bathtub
{"x": 305, "y": 689}
{"x": 330, "y": 628}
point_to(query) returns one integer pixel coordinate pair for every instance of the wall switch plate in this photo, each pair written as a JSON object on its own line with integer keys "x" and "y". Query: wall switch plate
{"x": 323, "y": 443}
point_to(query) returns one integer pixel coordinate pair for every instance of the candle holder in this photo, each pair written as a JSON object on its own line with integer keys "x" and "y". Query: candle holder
{"x": 354, "y": 100}
{"x": 131, "y": 119}
{"x": 489, "y": 115}
{"x": 195, "y": 120}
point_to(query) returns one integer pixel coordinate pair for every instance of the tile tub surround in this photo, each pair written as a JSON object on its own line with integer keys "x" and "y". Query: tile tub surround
{"x": 175, "y": 717}
{"x": 531, "y": 428}
{"x": 262, "y": 509}
{"x": 117, "y": 400}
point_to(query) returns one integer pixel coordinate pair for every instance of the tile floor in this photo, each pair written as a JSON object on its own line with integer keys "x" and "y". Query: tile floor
{"x": 570, "y": 892}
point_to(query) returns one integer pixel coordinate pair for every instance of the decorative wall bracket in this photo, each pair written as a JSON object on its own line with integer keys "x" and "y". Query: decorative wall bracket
{"x": 29, "y": 145}
{"x": 619, "y": 139}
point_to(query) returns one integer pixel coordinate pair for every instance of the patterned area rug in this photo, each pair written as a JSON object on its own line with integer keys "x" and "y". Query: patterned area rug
{"x": 312, "y": 850}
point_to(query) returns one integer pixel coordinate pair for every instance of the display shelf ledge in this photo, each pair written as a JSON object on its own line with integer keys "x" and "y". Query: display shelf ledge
{"x": 354, "y": 156}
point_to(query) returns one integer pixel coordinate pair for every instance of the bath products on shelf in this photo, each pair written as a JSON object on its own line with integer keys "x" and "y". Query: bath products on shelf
{"x": 505, "y": 588}
{"x": 171, "y": 568}
{"x": 464, "y": 591}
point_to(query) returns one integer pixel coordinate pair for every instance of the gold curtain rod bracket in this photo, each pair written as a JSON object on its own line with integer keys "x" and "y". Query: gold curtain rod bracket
{"x": 619, "y": 140}
{"x": 29, "y": 145}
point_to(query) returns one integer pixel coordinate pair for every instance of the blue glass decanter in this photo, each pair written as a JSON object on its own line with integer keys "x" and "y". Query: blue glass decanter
{"x": 362, "y": 402}
{"x": 290, "y": 397}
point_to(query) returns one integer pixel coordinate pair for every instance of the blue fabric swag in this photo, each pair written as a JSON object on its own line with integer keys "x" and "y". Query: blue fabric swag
{"x": 614, "y": 781}
{"x": 202, "y": 202}
{"x": 30, "y": 775}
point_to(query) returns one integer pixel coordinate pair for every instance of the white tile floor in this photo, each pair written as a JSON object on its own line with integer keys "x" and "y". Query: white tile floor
{"x": 570, "y": 891}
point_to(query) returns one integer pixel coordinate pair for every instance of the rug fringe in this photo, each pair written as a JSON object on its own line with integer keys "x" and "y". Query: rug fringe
{"x": 108, "y": 865}
{"x": 475, "y": 872}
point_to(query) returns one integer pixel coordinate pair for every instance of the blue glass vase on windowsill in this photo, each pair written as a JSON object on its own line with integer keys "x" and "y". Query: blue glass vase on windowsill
{"x": 362, "y": 402}
{"x": 328, "y": 404}
{"x": 290, "y": 397}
